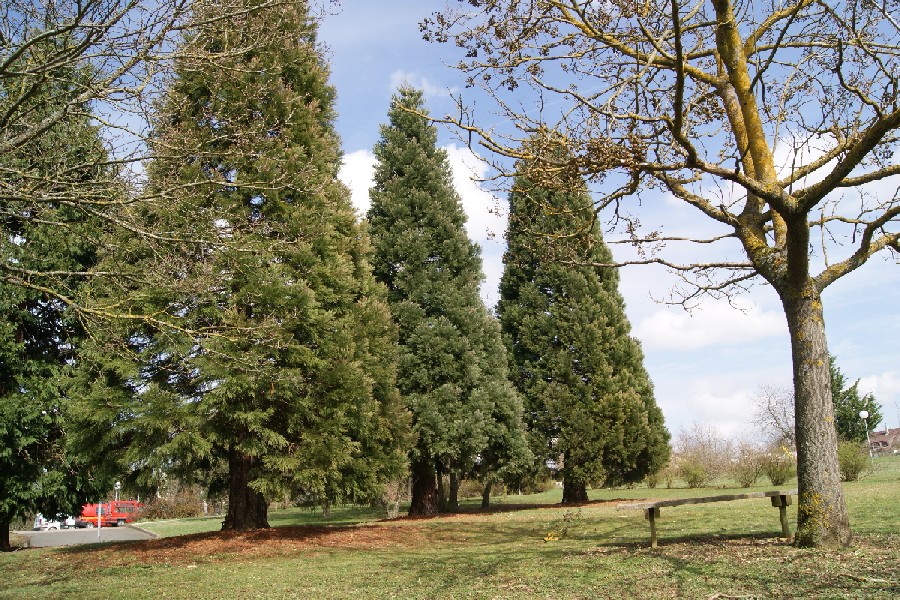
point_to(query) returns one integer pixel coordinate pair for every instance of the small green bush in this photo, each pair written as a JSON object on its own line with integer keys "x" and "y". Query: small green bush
{"x": 853, "y": 461}
{"x": 779, "y": 466}
{"x": 693, "y": 472}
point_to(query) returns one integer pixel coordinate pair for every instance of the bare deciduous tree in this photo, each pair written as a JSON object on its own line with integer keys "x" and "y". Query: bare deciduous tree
{"x": 773, "y": 414}
{"x": 97, "y": 61}
{"x": 777, "y": 121}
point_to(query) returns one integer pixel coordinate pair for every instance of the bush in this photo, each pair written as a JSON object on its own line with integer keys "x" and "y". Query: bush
{"x": 853, "y": 460}
{"x": 779, "y": 466}
{"x": 473, "y": 488}
{"x": 748, "y": 466}
{"x": 185, "y": 503}
{"x": 694, "y": 473}
{"x": 534, "y": 483}
{"x": 702, "y": 454}
{"x": 392, "y": 494}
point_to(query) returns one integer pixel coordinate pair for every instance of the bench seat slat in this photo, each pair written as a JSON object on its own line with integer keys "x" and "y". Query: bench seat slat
{"x": 703, "y": 499}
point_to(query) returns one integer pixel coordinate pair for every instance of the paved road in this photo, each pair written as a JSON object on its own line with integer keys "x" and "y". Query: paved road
{"x": 71, "y": 537}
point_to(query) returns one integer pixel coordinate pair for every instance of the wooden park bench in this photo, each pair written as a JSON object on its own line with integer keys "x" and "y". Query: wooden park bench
{"x": 780, "y": 499}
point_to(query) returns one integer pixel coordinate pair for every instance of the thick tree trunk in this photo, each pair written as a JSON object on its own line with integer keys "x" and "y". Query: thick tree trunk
{"x": 247, "y": 508}
{"x": 424, "y": 489}
{"x": 822, "y": 518}
{"x": 5, "y": 546}
{"x": 574, "y": 492}
{"x": 486, "y": 495}
{"x": 453, "y": 493}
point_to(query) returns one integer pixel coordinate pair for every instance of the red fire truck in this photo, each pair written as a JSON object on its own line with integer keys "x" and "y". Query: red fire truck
{"x": 114, "y": 512}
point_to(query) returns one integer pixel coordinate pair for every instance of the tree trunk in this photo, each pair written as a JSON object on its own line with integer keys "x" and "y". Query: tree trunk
{"x": 424, "y": 489}
{"x": 822, "y": 518}
{"x": 453, "y": 495}
{"x": 441, "y": 488}
{"x": 5, "y": 546}
{"x": 247, "y": 508}
{"x": 486, "y": 495}
{"x": 574, "y": 492}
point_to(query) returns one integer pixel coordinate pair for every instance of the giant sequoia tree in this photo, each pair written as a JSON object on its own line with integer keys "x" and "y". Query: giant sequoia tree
{"x": 588, "y": 398}
{"x": 293, "y": 393}
{"x": 453, "y": 367}
{"x": 700, "y": 100}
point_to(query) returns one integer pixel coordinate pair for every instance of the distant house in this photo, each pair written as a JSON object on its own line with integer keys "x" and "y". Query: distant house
{"x": 885, "y": 442}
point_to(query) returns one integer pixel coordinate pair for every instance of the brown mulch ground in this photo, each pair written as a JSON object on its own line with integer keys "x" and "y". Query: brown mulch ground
{"x": 277, "y": 541}
{"x": 404, "y": 532}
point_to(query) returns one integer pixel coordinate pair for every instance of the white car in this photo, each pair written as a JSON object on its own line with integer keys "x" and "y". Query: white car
{"x": 41, "y": 523}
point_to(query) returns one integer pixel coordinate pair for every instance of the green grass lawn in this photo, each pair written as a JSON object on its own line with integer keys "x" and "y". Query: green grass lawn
{"x": 723, "y": 550}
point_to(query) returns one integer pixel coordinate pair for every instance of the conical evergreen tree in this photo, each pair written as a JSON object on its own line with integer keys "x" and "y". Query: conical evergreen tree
{"x": 848, "y": 404}
{"x": 588, "y": 399}
{"x": 453, "y": 366}
{"x": 296, "y": 393}
{"x": 46, "y": 246}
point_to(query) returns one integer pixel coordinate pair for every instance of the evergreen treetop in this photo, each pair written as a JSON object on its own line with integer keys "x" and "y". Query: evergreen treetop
{"x": 589, "y": 400}
{"x": 453, "y": 371}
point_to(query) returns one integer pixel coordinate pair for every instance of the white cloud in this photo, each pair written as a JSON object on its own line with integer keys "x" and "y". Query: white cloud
{"x": 886, "y": 389}
{"x": 711, "y": 324}
{"x": 420, "y": 82}
{"x": 725, "y": 406}
{"x": 486, "y": 215}
{"x": 358, "y": 172}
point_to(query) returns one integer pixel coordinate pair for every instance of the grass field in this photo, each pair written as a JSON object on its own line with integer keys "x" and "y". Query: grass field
{"x": 721, "y": 550}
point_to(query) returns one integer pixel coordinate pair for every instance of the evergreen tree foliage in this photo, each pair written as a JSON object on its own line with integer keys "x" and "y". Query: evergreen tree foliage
{"x": 293, "y": 393}
{"x": 848, "y": 404}
{"x": 50, "y": 245}
{"x": 589, "y": 400}
{"x": 453, "y": 366}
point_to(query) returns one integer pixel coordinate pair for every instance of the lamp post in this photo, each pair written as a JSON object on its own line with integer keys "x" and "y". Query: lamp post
{"x": 864, "y": 415}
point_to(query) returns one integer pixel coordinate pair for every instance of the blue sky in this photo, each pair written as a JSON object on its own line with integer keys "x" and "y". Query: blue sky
{"x": 707, "y": 365}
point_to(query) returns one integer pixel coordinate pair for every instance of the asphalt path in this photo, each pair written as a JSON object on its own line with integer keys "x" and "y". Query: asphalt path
{"x": 74, "y": 537}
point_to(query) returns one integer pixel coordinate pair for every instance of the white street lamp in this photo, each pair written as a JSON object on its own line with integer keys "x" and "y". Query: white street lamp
{"x": 864, "y": 415}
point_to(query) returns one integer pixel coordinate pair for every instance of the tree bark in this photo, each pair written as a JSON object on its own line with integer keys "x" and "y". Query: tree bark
{"x": 574, "y": 492}
{"x": 822, "y": 518}
{"x": 453, "y": 495}
{"x": 441, "y": 488}
{"x": 424, "y": 489}
{"x": 5, "y": 546}
{"x": 486, "y": 495}
{"x": 247, "y": 508}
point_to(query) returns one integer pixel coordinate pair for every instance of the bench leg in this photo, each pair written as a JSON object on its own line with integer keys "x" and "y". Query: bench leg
{"x": 650, "y": 514}
{"x": 782, "y": 502}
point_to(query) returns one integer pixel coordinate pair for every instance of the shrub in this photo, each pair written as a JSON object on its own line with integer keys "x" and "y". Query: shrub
{"x": 185, "y": 503}
{"x": 694, "y": 473}
{"x": 853, "y": 460}
{"x": 473, "y": 488}
{"x": 534, "y": 483}
{"x": 702, "y": 454}
{"x": 779, "y": 466}
{"x": 392, "y": 494}
{"x": 748, "y": 466}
